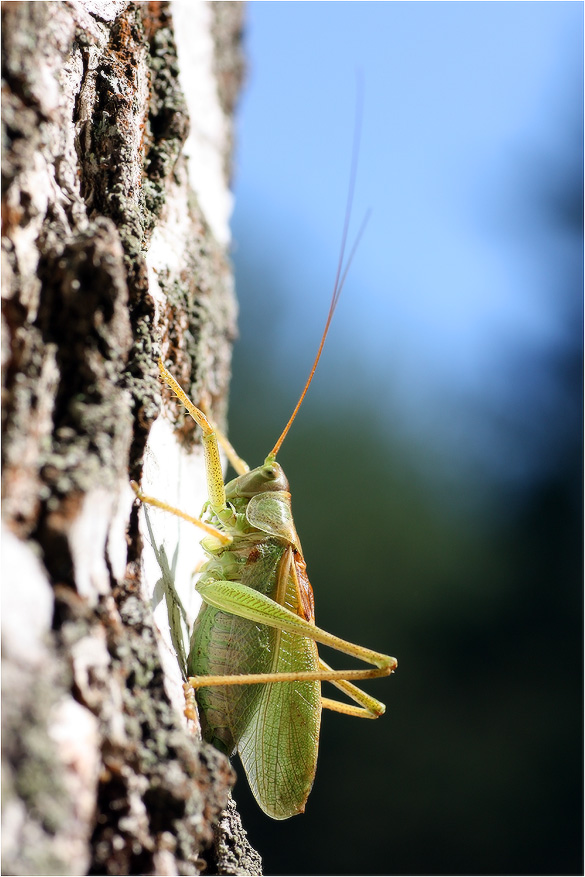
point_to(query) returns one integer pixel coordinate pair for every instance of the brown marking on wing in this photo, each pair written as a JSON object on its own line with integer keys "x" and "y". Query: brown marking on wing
{"x": 282, "y": 577}
{"x": 306, "y": 607}
{"x": 253, "y": 555}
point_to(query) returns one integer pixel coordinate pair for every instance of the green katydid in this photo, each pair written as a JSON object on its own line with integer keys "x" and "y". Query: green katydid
{"x": 253, "y": 660}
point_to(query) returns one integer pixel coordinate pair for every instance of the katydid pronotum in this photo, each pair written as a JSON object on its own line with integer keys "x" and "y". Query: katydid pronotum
{"x": 253, "y": 660}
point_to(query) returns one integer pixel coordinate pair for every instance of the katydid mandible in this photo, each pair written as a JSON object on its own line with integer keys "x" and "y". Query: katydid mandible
{"x": 253, "y": 660}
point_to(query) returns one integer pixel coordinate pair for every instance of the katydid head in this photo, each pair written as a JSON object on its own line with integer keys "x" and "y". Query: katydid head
{"x": 263, "y": 479}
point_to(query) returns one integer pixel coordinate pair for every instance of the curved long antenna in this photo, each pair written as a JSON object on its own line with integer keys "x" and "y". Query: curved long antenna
{"x": 341, "y": 271}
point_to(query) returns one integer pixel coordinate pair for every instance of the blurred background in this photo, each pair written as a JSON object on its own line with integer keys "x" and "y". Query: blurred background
{"x": 436, "y": 466}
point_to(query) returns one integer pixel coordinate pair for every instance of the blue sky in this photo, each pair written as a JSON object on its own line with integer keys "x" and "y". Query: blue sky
{"x": 460, "y": 292}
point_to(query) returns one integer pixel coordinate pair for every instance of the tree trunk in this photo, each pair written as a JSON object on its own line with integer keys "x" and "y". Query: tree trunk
{"x": 114, "y": 252}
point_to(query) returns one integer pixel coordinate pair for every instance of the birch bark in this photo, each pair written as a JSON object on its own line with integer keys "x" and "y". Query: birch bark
{"x": 115, "y": 209}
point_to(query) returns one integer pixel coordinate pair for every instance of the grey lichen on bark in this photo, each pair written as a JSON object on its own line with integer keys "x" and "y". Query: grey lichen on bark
{"x": 109, "y": 260}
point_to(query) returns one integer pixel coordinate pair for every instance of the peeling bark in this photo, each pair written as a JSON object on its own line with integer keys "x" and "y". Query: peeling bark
{"x": 110, "y": 258}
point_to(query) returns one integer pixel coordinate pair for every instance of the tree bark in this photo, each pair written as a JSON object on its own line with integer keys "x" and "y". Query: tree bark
{"x": 114, "y": 252}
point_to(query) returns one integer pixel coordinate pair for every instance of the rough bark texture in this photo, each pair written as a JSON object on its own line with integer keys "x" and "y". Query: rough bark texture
{"x": 100, "y": 774}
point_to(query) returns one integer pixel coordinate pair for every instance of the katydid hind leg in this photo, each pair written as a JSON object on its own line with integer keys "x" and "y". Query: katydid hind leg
{"x": 243, "y": 602}
{"x": 369, "y": 707}
{"x": 240, "y": 600}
